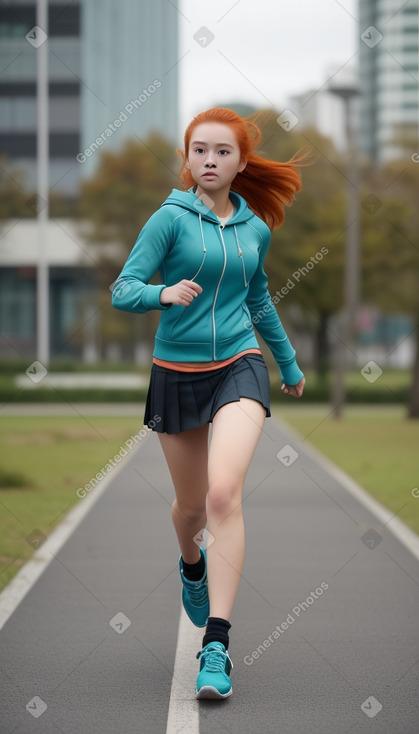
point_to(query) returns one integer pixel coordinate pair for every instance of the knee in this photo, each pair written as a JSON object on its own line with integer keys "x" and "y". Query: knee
{"x": 187, "y": 512}
{"x": 223, "y": 498}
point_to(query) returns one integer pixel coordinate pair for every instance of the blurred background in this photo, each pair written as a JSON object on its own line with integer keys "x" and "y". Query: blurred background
{"x": 95, "y": 97}
{"x": 121, "y": 84}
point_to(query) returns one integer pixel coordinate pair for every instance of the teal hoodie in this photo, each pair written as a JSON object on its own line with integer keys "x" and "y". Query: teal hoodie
{"x": 184, "y": 239}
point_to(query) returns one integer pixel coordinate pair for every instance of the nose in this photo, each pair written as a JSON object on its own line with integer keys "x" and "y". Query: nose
{"x": 209, "y": 163}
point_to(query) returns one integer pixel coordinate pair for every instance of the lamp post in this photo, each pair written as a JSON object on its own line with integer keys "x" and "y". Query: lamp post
{"x": 42, "y": 280}
{"x": 347, "y": 93}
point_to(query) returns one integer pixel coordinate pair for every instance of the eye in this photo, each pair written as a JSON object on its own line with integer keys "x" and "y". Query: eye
{"x": 223, "y": 151}
{"x": 198, "y": 150}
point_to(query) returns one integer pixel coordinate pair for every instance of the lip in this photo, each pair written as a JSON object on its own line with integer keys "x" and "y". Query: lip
{"x": 209, "y": 175}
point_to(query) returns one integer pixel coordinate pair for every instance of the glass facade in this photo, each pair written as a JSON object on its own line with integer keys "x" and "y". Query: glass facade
{"x": 129, "y": 68}
{"x": 71, "y": 290}
{"x": 18, "y": 90}
{"x": 122, "y": 68}
{"x": 388, "y": 67}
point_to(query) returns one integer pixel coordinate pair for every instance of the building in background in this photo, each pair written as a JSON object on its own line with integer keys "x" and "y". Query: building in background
{"x": 113, "y": 74}
{"x": 72, "y": 287}
{"x": 388, "y": 65}
{"x": 106, "y": 60}
{"x": 18, "y": 91}
{"x": 129, "y": 73}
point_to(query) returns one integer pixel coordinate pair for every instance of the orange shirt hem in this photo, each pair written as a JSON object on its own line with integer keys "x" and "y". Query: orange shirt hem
{"x": 201, "y": 366}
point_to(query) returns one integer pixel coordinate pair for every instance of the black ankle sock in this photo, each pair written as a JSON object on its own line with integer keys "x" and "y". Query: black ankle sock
{"x": 217, "y": 631}
{"x": 194, "y": 571}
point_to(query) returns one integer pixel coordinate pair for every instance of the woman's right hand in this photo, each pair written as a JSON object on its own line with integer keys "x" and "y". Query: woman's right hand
{"x": 180, "y": 294}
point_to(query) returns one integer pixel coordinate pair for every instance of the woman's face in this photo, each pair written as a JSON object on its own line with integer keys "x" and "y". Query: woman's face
{"x": 213, "y": 149}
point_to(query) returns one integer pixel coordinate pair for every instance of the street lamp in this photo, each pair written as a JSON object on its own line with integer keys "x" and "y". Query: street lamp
{"x": 347, "y": 93}
{"x": 42, "y": 280}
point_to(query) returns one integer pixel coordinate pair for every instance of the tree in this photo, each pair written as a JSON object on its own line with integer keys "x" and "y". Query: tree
{"x": 393, "y": 281}
{"x": 14, "y": 200}
{"x": 126, "y": 188}
{"x": 317, "y": 219}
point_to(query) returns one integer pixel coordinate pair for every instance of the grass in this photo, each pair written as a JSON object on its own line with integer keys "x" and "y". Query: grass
{"x": 376, "y": 445}
{"x": 44, "y": 461}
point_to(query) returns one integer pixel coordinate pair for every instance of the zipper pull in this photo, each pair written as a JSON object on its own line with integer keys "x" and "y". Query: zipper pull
{"x": 239, "y": 249}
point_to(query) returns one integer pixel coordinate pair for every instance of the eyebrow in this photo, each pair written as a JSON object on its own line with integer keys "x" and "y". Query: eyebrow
{"x": 201, "y": 142}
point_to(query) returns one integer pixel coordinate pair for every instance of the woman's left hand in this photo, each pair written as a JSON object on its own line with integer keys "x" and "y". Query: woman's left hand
{"x": 295, "y": 390}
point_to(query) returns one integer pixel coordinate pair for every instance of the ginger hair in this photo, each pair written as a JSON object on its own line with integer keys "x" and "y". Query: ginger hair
{"x": 267, "y": 186}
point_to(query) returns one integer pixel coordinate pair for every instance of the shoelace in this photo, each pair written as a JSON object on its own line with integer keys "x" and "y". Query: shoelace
{"x": 215, "y": 660}
{"x": 198, "y": 593}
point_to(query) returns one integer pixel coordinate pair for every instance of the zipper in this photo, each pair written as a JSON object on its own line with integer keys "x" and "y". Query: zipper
{"x": 239, "y": 250}
{"x": 221, "y": 227}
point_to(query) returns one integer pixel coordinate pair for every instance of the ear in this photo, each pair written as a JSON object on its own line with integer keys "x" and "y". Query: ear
{"x": 242, "y": 166}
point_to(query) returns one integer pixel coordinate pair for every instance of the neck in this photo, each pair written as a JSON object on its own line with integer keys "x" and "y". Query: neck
{"x": 222, "y": 203}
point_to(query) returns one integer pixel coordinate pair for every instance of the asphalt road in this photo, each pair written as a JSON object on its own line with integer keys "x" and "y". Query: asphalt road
{"x": 324, "y": 633}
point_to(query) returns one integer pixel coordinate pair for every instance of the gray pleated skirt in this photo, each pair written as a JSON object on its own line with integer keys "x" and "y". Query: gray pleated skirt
{"x": 179, "y": 401}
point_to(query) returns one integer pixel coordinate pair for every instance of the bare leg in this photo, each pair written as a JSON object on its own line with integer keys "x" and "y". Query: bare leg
{"x": 186, "y": 454}
{"x": 236, "y": 430}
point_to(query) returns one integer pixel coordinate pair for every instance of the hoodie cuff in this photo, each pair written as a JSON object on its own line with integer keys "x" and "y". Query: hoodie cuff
{"x": 151, "y": 297}
{"x": 291, "y": 373}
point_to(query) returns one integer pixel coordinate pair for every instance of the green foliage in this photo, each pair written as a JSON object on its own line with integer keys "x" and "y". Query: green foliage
{"x": 127, "y": 187}
{"x": 389, "y": 233}
{"x": 13, "y": 198}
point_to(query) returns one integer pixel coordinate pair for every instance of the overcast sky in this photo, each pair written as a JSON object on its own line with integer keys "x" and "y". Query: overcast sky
{"x": 262, "y": 52}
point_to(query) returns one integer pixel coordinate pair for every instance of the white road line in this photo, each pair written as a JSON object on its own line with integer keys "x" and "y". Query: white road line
{"x": 183, "y": 715}
{"x": 402, "y": 532}
{"x": 20, "y": 584}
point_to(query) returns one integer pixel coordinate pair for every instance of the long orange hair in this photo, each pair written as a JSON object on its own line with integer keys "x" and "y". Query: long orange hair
{"x": 265, "y": 185}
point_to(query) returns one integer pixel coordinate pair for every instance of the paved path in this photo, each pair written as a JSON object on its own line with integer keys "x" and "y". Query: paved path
{"x": 324, "y": 631}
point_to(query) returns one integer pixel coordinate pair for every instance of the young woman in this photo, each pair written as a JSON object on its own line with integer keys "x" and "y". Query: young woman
{"x": 209, "y": 244}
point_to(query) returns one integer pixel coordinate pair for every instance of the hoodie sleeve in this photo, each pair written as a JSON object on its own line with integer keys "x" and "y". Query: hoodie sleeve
{"x": 131, "y": 290}
{"x": 267, "y": 322}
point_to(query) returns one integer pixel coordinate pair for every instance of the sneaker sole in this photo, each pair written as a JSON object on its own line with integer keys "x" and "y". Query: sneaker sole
{"x": 211, "y": 692}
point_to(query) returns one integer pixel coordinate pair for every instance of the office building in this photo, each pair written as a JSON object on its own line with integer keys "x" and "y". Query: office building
{"x": 112, "y": 74}
{"x": 388, "y": 65}
{"x": 18, "y": 116}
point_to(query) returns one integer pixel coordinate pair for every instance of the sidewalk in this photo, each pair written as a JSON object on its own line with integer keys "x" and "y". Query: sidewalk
{"x": 324, "y": 631}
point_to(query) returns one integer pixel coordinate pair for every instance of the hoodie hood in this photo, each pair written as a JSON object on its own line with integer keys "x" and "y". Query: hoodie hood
{"x": 190, "y": 201}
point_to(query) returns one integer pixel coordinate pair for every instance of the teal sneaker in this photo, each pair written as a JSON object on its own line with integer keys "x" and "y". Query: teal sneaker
{"x": 195, "y": 597}
{"x": 213, "y": 678}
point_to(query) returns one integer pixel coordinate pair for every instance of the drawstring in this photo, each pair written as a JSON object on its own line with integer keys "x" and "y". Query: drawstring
{"x": 202, "y": 232}
{"x": 203, "y": 247}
